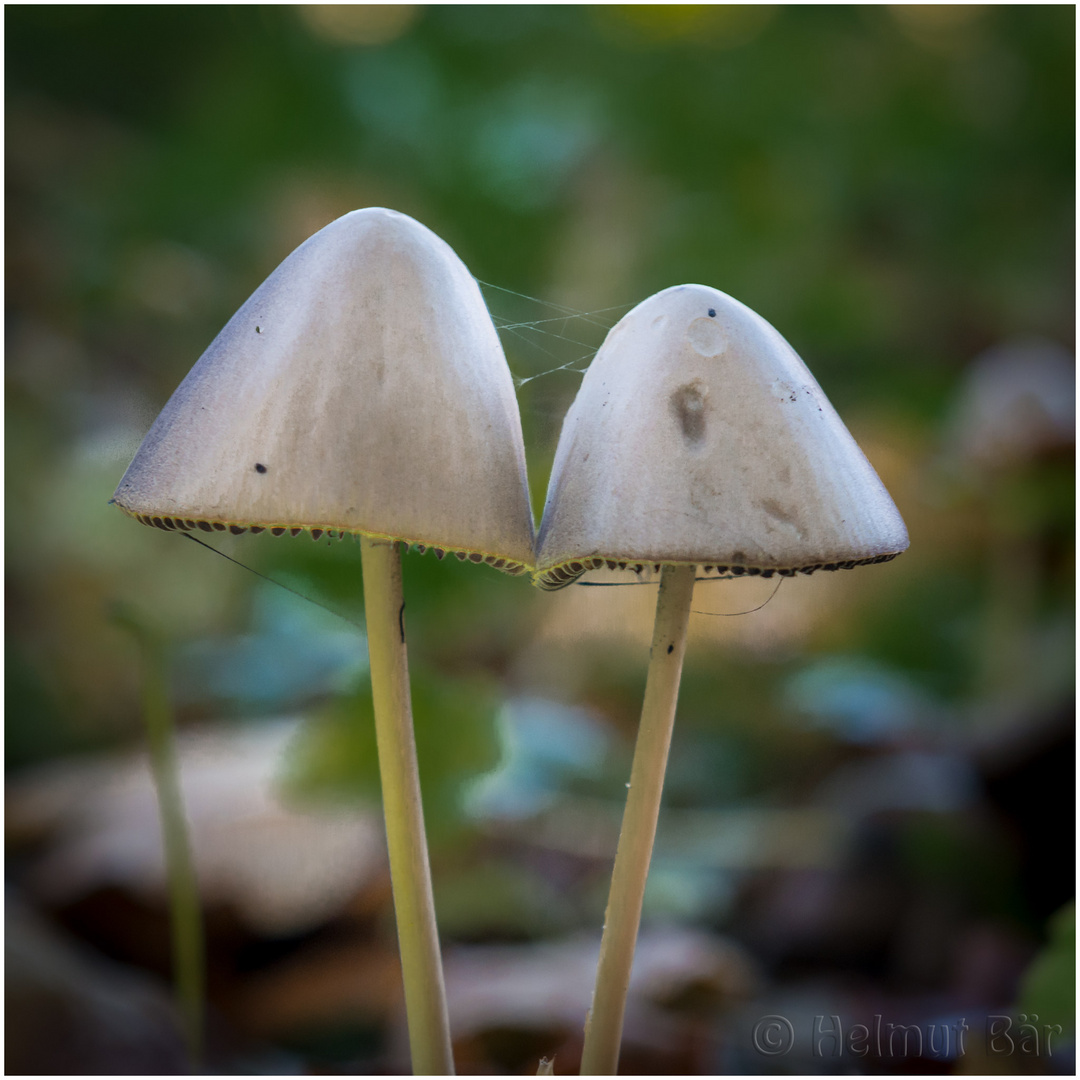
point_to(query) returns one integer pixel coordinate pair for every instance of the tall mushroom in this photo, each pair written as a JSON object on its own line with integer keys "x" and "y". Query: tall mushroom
{"x": 361, "y": 389}
{"x": 698, "y": 439}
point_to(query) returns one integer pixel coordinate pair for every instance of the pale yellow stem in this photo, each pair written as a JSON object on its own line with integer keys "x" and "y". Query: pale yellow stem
{"x": 414, "y": 906}
{"x": 603, "y": 1029}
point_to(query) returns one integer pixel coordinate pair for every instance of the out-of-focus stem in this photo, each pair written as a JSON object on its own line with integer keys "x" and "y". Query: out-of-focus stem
{"x": 185, "y": 917}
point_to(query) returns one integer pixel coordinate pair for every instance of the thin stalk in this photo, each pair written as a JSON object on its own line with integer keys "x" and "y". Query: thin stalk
{"x": 603, "y": 1029}
{"x": 414, "y": 905}
{"x": 185, "y": 918}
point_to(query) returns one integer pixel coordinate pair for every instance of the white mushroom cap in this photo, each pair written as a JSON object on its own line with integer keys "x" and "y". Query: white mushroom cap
{"x": 699, "y": 436}
{"x": 362, "y": 388}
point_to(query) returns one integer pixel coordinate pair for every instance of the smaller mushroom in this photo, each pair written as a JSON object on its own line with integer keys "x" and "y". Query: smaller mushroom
{"x": 698, "y": 438}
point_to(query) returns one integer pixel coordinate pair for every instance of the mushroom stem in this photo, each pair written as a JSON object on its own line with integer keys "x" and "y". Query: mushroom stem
{"x": 414, "y": 906}
{"x": 603, "y": 1029}
{"x": 184, "y": 915}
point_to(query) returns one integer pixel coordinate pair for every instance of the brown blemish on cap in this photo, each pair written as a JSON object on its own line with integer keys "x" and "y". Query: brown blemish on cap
{"x": 688, "y": 406}
{"x": 786, "y": 517}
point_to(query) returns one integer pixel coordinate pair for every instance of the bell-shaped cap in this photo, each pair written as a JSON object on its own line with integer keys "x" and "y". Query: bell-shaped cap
{"x": 699, "y": 436}
{"x": 362, "y": 388}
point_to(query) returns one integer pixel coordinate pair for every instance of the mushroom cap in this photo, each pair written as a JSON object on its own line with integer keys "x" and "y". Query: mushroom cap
{"x": 362, "y": 388}
{"x": 699, "y": 436}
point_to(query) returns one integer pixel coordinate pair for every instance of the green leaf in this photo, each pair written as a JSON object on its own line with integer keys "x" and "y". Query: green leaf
{"x": 335, "y": 757}
{"x": 1048, "y": 989}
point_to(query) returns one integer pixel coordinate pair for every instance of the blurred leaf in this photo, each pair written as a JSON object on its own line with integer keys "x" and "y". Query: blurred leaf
{"x": 499, "y": 900}
{"x": 1049, "y": 986}
{"x": 456, "y": 740}
{"x": 543, "y": 742}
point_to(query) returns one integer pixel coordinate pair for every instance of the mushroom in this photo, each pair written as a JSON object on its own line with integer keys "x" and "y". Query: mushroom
{"x": 361, "y": 389}
{"x": 698, "y": 438}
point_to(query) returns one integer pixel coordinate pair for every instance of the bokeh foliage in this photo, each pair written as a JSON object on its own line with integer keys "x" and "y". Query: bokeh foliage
{"x": 892, "y": 187}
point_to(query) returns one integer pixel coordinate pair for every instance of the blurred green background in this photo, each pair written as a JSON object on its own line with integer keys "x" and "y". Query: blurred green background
{"x": 869, "y": 806}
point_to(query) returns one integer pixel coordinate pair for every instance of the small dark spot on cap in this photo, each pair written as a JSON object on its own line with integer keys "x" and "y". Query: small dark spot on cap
{"x": 421, "y": 548}
{"x": 712, "y": 313}
{"x": 316, "y": 533}
{"x": 439, "y": 553}
{"x": 295, "y": 532}
{"x": 260, "y": 468}
{"x": 461, "y": 555}
{"x": 476, "y": 557}
{"x": 279, "y": 531}
{"x": 206, "y": 526}
{"x": 218, "y": 525}
{"x": 236, "y": 530}
{"x": 670, "y": 649}
{"x": 766, "y": 573}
